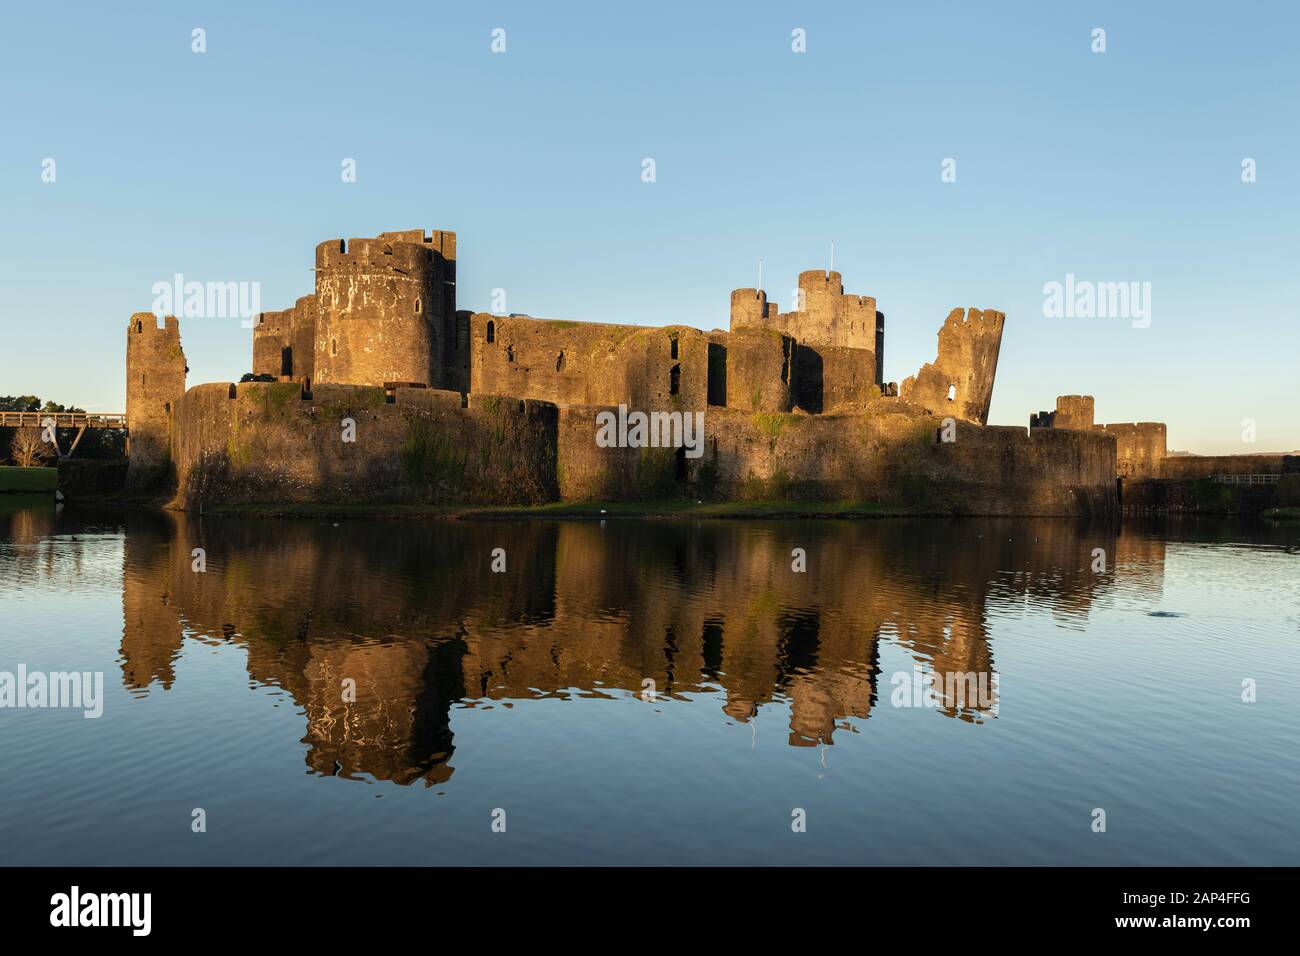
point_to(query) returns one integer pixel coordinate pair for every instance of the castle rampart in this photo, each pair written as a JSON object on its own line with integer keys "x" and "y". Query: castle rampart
{"x": 259, "y": 442}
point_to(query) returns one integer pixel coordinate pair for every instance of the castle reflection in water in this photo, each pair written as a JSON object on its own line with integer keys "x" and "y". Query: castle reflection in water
{"x": 413, "y": 614}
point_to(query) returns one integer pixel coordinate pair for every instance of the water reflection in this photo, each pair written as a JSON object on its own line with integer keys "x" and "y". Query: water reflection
{"x": 414, "y": 615}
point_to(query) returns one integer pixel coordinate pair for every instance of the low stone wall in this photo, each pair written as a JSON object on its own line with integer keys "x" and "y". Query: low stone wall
{"x": 1206, "y": 496}
{"x": 1205, "y": 466}
{"x": 884, "y": 456}
{"x": 265, "y": 442}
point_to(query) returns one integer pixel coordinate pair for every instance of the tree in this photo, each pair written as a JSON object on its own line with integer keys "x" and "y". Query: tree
{"x": 27, "y": 448}
{"x": 19, "y": 403}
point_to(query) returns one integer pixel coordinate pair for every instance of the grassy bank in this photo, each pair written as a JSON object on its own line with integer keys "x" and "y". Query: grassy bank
{"x": 672, "y": 508}
{"x": 1286, "y": 514}
{"x": 28, "y": 480}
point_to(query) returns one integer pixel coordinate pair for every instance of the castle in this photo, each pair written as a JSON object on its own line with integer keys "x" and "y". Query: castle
{"x": 449, "y": 406}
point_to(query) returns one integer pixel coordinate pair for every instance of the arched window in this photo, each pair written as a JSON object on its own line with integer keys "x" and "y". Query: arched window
{"x": 492, "y": 331}
{"x": 952, "y": 392}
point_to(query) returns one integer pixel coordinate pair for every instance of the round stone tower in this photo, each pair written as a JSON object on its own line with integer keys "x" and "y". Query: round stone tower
{"x": 379, "y": 312}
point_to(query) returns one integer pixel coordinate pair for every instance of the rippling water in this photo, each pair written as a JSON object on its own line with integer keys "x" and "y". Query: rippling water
{"x": 1061, "y": 688}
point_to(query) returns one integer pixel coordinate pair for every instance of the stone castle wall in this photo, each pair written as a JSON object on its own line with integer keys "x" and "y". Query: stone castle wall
{"x": 265, "y": 442}
{"x": 155, "y": 383}
{"x": 888, "y": 456}
{"x": 795, "y": 404}
{"x": 589, "y": 363}
{"x": 1140, "y": 448}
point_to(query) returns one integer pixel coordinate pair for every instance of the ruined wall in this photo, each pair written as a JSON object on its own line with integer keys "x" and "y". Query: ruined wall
{"x": 830, "y": 377}
{"x": 964, "y": 368}
{"x": 284, "y": 342}
{"x": 263, "y": 442}
{"x": 155, "y": 382}
{"x": 456, "y": 354}
{"x": 841, "y": 338}
{"x": 589, "y": 363}
{"x": 1140, "y": 448}
{"x": 761, "y": 370}
{"x": 384, "y": 306}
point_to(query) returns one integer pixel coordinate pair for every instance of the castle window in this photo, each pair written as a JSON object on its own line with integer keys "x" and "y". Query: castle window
{"x": 672, "y": 348}
{"x": 139, "y": 326}
{"x": 231, "y": 393}
{"x": 717, "y": 375}
{"x": 334, "y": 347}
{"x": 286, "y": 360}
{"x": 952, "y": 392}
{"x": 343, "y": 245}
{"x": 510, "y": 353}
{"x": 492, "y": 332}
{"x": 559, "y": 362}
{"x": 675, "y": 380}
{"x": 418, "y": 307}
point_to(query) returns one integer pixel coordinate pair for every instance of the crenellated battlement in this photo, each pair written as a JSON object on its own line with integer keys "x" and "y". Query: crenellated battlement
{"x": 821, "y": 281}
{"x": 146, "y": 323}
{"x": 373, "y": 255}
{"x": 959, "y": 382}
{"x": 749, "y": 307}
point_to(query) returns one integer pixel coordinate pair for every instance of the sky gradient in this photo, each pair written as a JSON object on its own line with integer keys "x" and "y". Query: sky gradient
{"x": 1123, "y": 166}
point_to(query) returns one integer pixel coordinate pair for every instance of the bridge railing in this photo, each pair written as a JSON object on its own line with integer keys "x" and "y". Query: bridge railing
{"x": 1248, "y": 479}
{"x": 62, "y": 420}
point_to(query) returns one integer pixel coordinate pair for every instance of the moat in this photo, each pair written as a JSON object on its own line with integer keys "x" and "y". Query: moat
{"x": 1115, "y": 685}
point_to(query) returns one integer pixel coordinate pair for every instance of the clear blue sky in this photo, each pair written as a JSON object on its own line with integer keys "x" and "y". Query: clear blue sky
{"x": 1122, "y": 166}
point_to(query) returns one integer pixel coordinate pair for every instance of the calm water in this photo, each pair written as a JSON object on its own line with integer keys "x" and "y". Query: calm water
{"x": 521, "y": 690}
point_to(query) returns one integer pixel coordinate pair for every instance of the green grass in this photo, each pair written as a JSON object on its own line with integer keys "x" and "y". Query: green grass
{"x": 28, "y": 480}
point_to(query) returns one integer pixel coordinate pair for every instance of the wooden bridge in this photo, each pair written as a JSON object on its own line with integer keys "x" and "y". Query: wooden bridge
{"x": 78, "y": 420}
